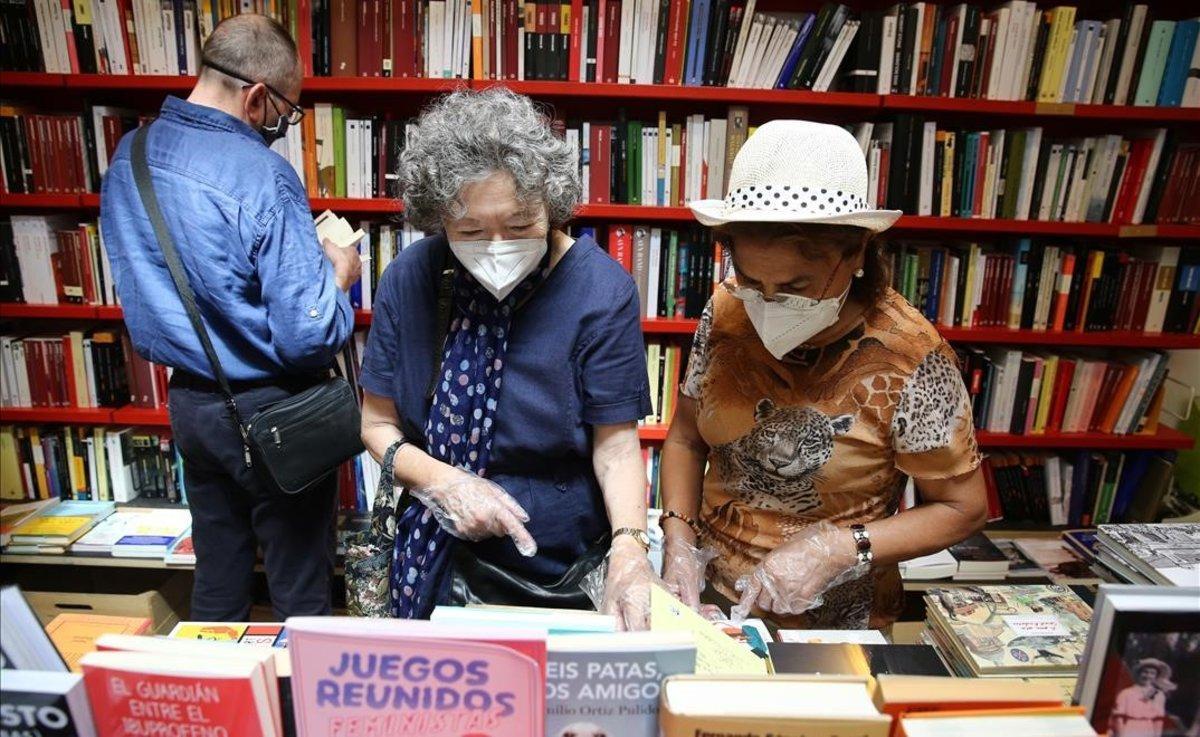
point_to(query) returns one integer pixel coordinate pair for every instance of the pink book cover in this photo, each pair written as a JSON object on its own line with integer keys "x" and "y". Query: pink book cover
{"x": 401, "y": 678}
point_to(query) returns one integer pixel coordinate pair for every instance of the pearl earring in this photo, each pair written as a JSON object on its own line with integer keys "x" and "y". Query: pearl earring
{"x": 858, "y": 274}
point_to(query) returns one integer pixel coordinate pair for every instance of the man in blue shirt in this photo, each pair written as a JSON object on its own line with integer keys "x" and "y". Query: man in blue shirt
{"x": 273, "y": 300}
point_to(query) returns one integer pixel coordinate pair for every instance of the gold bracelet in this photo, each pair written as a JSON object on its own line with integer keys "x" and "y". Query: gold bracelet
{"x": 669, "y": 513}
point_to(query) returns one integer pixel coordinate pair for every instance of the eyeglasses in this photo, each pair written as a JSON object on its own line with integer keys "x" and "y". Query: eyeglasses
{"x": 746, "y": 294}
{"x": 293, "y": 118}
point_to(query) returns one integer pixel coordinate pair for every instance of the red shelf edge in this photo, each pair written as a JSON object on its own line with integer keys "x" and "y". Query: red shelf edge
{"x": 141, "y": 416}
{"x": 57, "y": 415}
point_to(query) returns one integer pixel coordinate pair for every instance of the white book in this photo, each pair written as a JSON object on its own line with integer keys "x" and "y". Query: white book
{"x": 353, "y": 189}
{"x": 1091, "y": 56}
{"x": 863, "y": 637}
{"x": 450, "y": 12}
{"x": 1130, "y": 56}
{"x": 1108, "y": 55}
{"x": 1079, "y": 183}
{"x": 1033, "y": 21}
{"x": 655, "y": 263}
{"x": 1003, "y": 57}
{"x": 7, "y": 378}
{"x": 1068, "y": 58}
{"x": 874, "y": 156}
{"x": 521, "y": 56}
{"x": 120, "y": 469}
{"x": 139, "y": 30}
{"x": 1033, "y": 146}
{"x": 170, "y": 47}
{"x": 155, "y": 44}
{"x": 1094, "y": 202}
{"x": 718, "y": 132}
{"x": 928, "y": 146}
{"x": 739, "y": 49}
{"x": 763, "y": 25}
{"x": 1151, "y": 167}
{"x": 24, "y": 397}
{"x": 189, "y": 38}
{"x": 834, "y": 62}
{"x": 648, "y": 47}
{"x": 788, "y": 30}
{"x": 41, "y": 10}
{"x": 89, "y": 374}
{"x": 991, "y": 173}
{"x": 768, "y": 47}
{"x": 1001, "y": 26}
{"x": 1047, "y": 280}
{"x": 625, "y": 46}
{"x": 61, "y": 19}
{"x": 887, "y": 49}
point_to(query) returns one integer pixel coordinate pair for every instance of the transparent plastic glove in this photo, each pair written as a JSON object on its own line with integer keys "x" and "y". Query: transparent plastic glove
{"x": 473, "y": 508}
{"x": 683, "y": 569}
{"x": 794, "y": 577}
{"x": 620, "y": 586}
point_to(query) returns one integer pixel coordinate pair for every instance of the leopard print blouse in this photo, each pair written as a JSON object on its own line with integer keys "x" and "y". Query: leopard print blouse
{"x": 829, "y": 433}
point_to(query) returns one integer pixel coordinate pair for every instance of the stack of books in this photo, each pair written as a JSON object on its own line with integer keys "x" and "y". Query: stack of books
{"x": 57, "y": 526}
{"x": 986, "y": 631}
{"x": 1162, "y": 554}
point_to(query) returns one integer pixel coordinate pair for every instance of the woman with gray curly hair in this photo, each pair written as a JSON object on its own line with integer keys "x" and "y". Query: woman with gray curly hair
{"x": 505, "y": 374}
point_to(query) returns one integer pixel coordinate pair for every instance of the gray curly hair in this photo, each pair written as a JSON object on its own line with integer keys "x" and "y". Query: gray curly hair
{"x": 468, "y": 135}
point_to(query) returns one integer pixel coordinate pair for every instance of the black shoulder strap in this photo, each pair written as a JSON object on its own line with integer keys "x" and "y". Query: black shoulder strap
{"x": 141, "y": 176}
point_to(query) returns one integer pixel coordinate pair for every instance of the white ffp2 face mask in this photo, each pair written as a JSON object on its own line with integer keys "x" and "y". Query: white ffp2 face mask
{"x": 499, "y": 266}
{"x": 784, "y": 326}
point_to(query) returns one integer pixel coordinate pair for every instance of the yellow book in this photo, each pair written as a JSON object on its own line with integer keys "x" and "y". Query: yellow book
{"x": 1049, "y": 372}
{"x": 10, "y": 466}
{"x": 947, "y": 173}
{"x": 968, "y": 302}
{"x": 102, "y": 490}
{"x": 222, "y": 631}
{"x": 39, "y": 464}
{"x": 1060, "y": 38}
{"x": 716, "y": 652}
{"x": 652, "y": 355}
{"x": 52, "y": 526}
{"x": 75, "y": 472}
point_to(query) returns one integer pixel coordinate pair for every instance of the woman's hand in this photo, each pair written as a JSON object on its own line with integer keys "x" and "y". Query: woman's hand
{"x": 794, "y": 577}
{"x": 684, "y": 566}
{"x": 473, "y": 508}
{"x": 627, "y": 584}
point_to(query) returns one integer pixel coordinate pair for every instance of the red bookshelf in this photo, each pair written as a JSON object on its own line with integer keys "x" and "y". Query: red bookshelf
{"x": 38, "y": 81}
{"x": 141, "y": 417}
{"x": 647, "y": 213}
{"x": 9, "y": 311}
{"x": 57, "y": 415}
{"x": 687, "y": 326}
{"x": 1166, "y": 438}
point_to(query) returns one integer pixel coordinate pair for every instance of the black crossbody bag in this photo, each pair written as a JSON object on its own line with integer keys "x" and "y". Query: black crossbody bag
{"x": 298, "y": 441}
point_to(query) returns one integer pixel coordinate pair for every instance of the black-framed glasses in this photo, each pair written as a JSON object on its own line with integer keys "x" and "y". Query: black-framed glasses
{"x": 293, "y": 118}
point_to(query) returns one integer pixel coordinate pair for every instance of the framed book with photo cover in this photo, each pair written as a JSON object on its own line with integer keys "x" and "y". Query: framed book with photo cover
{"x": 1141, "y": 673}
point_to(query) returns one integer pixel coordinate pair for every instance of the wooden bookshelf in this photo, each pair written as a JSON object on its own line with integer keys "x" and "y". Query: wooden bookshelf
{"x": 687, "y": 326}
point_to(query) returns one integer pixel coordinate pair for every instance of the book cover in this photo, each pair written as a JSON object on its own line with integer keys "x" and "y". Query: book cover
{"x": 1169, "y": 554}
{"x": 44, "y": 704}
{"x": 416, "y": 678}
{"x": 609, "y": 684}
{"x": 997, "y": 630}
{"x": 854, "y": 659}
{"x": 75, "y": 635}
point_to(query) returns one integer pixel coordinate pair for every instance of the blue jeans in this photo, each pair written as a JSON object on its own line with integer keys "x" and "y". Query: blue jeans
{"x": 236, "y": 510}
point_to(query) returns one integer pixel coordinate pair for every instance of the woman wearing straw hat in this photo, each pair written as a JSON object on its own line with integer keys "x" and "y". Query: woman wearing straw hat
{"x": 1141, "y": 709}
{"x": 812, "y": 392}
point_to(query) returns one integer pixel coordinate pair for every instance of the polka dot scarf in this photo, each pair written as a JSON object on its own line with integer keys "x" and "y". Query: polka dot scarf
{"x": 458, "y": 431}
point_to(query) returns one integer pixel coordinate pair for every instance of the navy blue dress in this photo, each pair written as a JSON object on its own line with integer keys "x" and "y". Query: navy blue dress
{"x": 575, "y": 359}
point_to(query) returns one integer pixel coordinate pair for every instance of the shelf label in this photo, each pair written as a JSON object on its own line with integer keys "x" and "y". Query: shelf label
{"x": 1054, "y": 108}
{"x": 1137, "y": 231}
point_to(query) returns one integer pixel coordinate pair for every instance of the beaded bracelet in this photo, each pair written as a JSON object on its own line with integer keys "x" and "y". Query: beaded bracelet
{"x": 669, "y": 513}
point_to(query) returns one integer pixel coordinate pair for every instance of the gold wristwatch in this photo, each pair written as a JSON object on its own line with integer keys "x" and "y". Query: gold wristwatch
{"x": 640, "y": 535}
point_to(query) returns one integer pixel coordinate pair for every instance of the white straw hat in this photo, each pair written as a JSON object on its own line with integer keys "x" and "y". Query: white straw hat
{"x": 797, "y": 171}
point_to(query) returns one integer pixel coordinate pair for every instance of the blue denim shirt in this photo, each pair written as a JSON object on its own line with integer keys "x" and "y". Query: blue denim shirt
{"x": 242, "y": 225}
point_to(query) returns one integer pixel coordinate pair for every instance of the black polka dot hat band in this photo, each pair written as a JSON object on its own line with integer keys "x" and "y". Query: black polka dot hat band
{"x": 797, "y": 171}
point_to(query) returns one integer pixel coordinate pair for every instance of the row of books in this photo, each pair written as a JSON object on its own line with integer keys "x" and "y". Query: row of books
{"x": 94, "y": 368}
{"x": 923, "y": 168}
{"x": 1050, "y": 286}
{"x": 119, "y": 36}
{"x": 675, "y": 270}
{"x": 990, "y": 558}
{"x": 1160, "y": 555}
{"x": 1035, "y": 392}
{"x": 89, "y": 463}
{"x": 571, "y": 673}
{"x": 99, "y": 529}
{"x": 1019, "y": 51}
{"x": 1079, "y": 489}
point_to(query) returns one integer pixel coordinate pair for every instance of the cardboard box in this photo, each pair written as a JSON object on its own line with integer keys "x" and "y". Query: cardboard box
{"x": 164, "y": 607}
